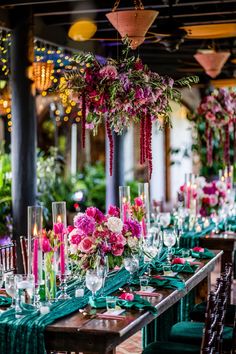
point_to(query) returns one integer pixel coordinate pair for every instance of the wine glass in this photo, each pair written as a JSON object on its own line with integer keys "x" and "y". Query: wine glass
{"x": 1, "y": 275}
{"x": 10, "y": 287}
{"x": 169, "y": 239}
{"x": 151, "y": 246}
{"x": 93, "y": 281}
{"x": 131, "y": 264}
{"x": 102, "y": 270}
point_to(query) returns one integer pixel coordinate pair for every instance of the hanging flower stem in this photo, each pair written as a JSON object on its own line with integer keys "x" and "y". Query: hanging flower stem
{"x": 142, "y": 142}
{"x": 226, "y": 145}
{"x": 111, "y": 145}
{"x": 83, "y": 119}
{"x": 209, "y": 145}
{"x": 148, "y": 147}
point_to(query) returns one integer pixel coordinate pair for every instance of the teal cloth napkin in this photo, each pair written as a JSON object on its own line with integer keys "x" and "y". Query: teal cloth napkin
{"x": 231, "y": 224}
{"x": 202, "y": 255}
{"x": 162, "y": 282}
{"x": 138, "y": 303}
{"x": 184, "y": 268}
{"x": 5, "y": 301}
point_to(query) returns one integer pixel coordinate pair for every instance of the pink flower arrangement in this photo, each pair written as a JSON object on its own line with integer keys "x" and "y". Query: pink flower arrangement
{"x": 123, "y": 92}
{"x": 212, "y": 196}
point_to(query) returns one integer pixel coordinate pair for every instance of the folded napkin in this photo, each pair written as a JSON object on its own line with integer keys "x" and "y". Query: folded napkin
{"x": 137, "y": 303}
{"x": 159, "y": 281}
{"x": 184, "y": 268}
{"x": 5, "y": 301}
{"x": 201, "y": 253}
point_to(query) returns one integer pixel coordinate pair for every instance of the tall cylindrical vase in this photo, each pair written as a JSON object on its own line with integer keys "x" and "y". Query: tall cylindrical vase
{"x": 124, "y": 198}
{"x": 143, "y": 193}
{"x": 59, "y": 227}
{"x": 35, "y": 257}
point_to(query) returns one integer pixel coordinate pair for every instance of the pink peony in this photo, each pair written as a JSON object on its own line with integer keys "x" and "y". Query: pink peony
{"x": 46, "y": 247}
{"x": 133, "y": 227}
{"x": 198, "y": 249}
{"x": 127, "y": 296}
{"x": 86, "y": 224}
{"x": 86, "y": 245}
{"x": 117, "y": 249}
{"x": 109, "y": 72}
{"x": 178, "y": 260}
{"x": 114, "y": 211}
{"x": 75, "y": 236}
{"x": 138, "y": 202}
{"x": 96, "y": 214}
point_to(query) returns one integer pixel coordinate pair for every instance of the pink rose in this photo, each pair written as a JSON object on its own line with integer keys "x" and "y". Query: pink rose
{"x": 213, "y": 200}
{"x": 178, "y": 260}
{"x": 75, "y": 236}
{"x": 138, "y": 201}
{"x": 70, "y": 228}
{"x": 117, "y": 249}
{"x": 198, "y": 249}
{"x": 114, "y": 211}
{"x": 127, "y": 296}
{"x": 86, "y": 245}
{"x": 121, "y": 239}
{"x": 46, "y": 247}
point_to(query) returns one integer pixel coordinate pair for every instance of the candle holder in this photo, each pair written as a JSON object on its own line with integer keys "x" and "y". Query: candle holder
{"x": 59, "y": 227}
{"x": 143, "y": 193}
{"x": 124, "y": 198}
{"x": 35, "y": 257}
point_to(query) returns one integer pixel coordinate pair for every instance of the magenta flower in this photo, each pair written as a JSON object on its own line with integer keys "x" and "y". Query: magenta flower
{"x": 117, "y": 249}
{"x": 127, "y": 296}
{"x": 138, "y": 202}
{"x": 86, "y": 245}
{"x": 86, "y": 224}
{"x": 95, "y": 213}
{"x": 114, "y": 211}
{"x": 46, "y": 246}
{"x": 133, "y": 227}
{"x": 59, "y": 228}
{"x": 75, "y": 236}
{"x": 109, "y": 72}
{"x": 198, "y": 249}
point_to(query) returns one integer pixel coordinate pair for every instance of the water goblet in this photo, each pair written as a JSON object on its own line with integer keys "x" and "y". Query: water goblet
{"x": 93, "y": 281}
{"x": 169, "y": 239}
{"x": 131, "y": 264}
{"x": 102, "y": 270}
{"x": 1, "y": 275}
{"x": 10, "y": 287}
{"x": 151, "y": 246}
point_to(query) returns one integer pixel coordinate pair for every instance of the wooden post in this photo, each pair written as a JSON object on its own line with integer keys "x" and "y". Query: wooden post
{"x": 23, "y": 138}
{"x": 117, "y": 179}
{"x": 167, "y": 164}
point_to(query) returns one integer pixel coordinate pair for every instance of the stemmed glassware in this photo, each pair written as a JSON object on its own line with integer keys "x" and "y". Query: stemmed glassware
{"x": 131, "y": 264}
{"x": 10, "y": 287}
{"x": 93, "y": 281}
{"x": 151, "y": 246}
{"x": 1, "y": 275}
{"x": 169, "y": 239}
{"x": 102, "y": 270}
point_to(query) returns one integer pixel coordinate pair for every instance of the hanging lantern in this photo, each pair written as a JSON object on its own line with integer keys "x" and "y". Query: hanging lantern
{"x": 132, "y": 23}
{"x": 42, "y": 73}
{"x": 212, "y": 61}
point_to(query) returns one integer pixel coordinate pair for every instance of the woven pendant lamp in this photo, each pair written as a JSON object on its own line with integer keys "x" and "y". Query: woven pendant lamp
{"x": 132, "y": 23}
{"x": 212, "y": 61}
{"x": 42, "y": 72}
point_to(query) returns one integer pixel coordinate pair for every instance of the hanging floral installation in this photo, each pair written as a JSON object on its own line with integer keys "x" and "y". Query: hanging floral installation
{"x": 218, "y": 111}
{"x": 122, "y": 92}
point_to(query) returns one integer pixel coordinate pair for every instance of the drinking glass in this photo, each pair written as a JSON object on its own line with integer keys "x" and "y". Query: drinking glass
{"x": 131, "y": 264}
{"x": 169, "y": 239}
{"x": 110, "y": 303}
{"x": 25, "y": 295}
{"x": 10, "y": 287}
{"x": 102, "y": 270}
{"x": 151, "y": 246}
{"x": 93, "y": 281}
{"x": 1, "y": 275}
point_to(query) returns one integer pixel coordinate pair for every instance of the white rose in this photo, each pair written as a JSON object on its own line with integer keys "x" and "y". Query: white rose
{"x": 132, "y": 242}
{"x": 115, "y": 224}
{"x": 73, "y": 249}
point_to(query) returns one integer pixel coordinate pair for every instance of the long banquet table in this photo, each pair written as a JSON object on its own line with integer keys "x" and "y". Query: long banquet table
{"x": 82, "y": 334}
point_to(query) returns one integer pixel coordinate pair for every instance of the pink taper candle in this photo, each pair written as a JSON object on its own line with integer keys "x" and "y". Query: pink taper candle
{"x": 35, "y": 255}
{"x": 62, "y": 248}
{"x": 144, "y": 228}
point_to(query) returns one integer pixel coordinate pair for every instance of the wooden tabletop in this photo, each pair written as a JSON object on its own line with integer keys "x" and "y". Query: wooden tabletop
{"x": 78, "y": 333}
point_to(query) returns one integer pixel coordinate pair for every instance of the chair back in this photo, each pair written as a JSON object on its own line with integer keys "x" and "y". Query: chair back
{"x": 8, "y": 257}
{"x": 23, "y": 245}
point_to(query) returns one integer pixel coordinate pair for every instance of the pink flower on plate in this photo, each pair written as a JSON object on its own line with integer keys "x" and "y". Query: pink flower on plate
{"x": 178, "y": 260}
{"x": 46, "y": 247}
{"x": 127, "y": 296}
{"x": 198, "y": 249}
{"x": 138, "y": 201}
{"x": 86, "y": 245}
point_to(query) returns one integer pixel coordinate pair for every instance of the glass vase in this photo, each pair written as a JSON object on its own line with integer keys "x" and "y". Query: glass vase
{"x": 50, "y": 276}
{"x": 124, "y": 198}
{"x": 143, "y": 193}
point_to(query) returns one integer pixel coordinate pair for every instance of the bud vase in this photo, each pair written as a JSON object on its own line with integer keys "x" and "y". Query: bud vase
{"x": 50, "y": 276}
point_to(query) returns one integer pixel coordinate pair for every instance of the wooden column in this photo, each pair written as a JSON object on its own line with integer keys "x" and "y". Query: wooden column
{"x": 23, "y": 138}
{"x": 117, "y": 179}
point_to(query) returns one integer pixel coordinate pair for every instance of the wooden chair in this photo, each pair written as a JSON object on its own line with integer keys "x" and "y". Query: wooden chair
{"x": 23, "y": 245}
{"x": 8, "y": 257}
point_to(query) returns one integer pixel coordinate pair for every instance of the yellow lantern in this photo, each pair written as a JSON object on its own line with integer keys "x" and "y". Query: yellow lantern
{"x": 42, "y": 72}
